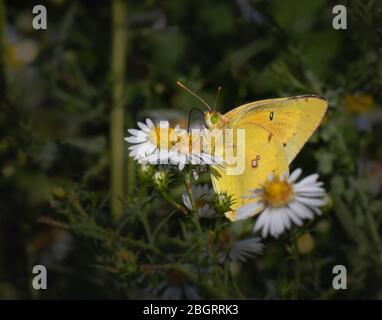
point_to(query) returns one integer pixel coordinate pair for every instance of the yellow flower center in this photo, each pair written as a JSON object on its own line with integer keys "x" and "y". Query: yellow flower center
{"x": 277, "y": 193}
{"x": 163, "y": 137}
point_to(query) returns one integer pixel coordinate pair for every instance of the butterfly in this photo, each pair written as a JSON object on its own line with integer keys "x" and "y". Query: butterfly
{"x": 275, "y": 132}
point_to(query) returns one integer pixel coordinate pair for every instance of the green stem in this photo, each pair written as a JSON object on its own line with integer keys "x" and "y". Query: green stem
{"x": 170, "y": 200}
{"x": 219, "y": 282}
{"x": 370, "y": 219}
{"x": 237, "y": 289}
{"x": 162, "y": 223}
{"x": 2, "y": 47}
{"x": 94, "y": 231}
{"x": 146, "y": 225}
{"x": 195, "y": 213}
{"x": 117, "y": 116}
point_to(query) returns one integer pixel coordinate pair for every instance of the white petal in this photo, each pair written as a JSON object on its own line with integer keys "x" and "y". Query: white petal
{"x": 285, "y": 217}
{"x": 311, "y": 201}
{"x": 272, "y": 222}
{"x": 134, "y": 132}
{"x": 308, "y": 180}
{"x": 186, "y": 201}
{"x": 294, "y": 217}
{"x": 248, "y": 210}
{"x": 301, "y": 210}
{"x": 143, "y": 126}
{"x": 149, "y": 123}
{"x": 260, "y": 222}
{"x": 295, "y": 175}
{"x": 133, "y": 139}
{"x": 308, "y": 188}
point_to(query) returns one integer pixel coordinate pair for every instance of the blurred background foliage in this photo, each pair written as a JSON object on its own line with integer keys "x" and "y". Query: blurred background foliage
{"x": 54, "y": 144}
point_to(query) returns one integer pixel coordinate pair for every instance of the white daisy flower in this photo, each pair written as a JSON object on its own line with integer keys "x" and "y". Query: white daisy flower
{"x": 152, "y": 144}
{"x": 232, "y": 249}
{"x": 245, "y": 249}
{"x": 164, "y": 145}
{"x": 282, "y": 202}
{"x": 192, "y": 149}
{"x": 176, "y": 285}
{"x": 202, "y": 197}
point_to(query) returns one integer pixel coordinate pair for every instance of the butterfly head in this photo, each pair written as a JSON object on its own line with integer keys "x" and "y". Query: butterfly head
{"x": 214, "y": 119}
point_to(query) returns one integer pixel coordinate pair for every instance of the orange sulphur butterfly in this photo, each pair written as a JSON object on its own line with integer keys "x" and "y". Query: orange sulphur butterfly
{"x": 275, "y": 132}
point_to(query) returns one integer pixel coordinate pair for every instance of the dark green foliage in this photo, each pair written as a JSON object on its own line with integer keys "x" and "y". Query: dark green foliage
{"x": 54, "y": 147}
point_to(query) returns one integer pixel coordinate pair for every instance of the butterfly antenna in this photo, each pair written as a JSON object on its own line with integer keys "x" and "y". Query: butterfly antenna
{"x": 189, "y": 117}
{"x": 216, "y": 98}
{"x": 194, "y": 94}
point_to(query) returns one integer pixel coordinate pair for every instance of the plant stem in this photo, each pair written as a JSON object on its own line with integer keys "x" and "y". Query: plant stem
{"x": 169, "y": 199}
{"x": 117, "y": 116}
{"x": 219, "y": 282}
{"x": 195, "y": 213}
{"x": 162, "y": 223}
{"x": 2, "y": 47}
{"x": 146, "y": 225}
{"x": 237, "y": 289}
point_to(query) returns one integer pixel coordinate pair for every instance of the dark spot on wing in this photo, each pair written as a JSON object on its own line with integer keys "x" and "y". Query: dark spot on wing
{"x": 270, "y": 137}
{"x": 271, "y": 116}
{"x": 284, "y": 145}
{"x": 255, "y": 162}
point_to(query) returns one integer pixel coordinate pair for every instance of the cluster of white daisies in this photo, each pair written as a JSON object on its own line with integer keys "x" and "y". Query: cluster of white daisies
{"x": 162, "y": 144}
{"x": 278, "y": 204}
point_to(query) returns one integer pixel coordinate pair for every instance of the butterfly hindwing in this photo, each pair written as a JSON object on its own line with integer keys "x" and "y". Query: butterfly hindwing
{"x": 263, "y": 156}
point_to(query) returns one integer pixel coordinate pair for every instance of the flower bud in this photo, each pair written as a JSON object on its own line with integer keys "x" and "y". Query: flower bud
{"x": 161, "y": 180}
{"x": 58, "y": 192}
{"x": 305, "y": 243}
{"x": 322, "y": 226}
{"x": 145, "y": 173}
{"x": 222, "y": 202}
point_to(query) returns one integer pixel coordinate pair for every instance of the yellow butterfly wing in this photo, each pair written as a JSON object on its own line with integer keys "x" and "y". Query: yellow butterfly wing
{"x": 245, "y": 107}
{"x": 276, "y": 130}
{"x": 291, "y": 121}
{"x": 262, "y": 157}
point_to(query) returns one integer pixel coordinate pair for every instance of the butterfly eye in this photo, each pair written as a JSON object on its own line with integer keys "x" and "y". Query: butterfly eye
{"x": 214, "y": 118}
